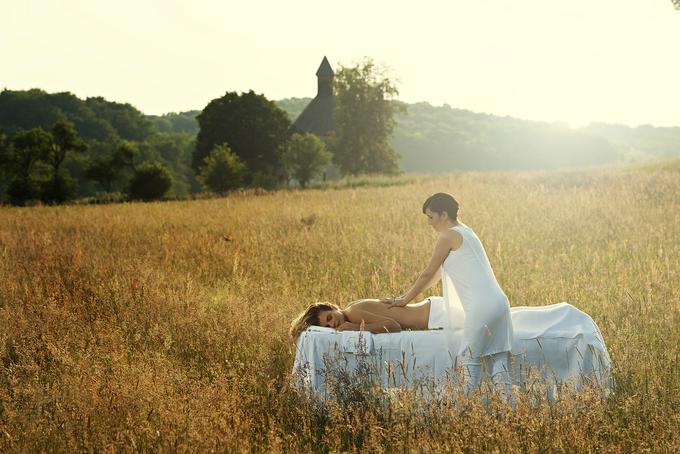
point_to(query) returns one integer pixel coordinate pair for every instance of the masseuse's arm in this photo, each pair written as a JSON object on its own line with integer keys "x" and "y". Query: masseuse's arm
{"x": 433, "y": 281}
{"x": 447, "y": 241}
{"x": 435, "y": 278}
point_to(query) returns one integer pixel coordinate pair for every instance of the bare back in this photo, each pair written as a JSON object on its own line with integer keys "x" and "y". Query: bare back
{"x": 414, "y": 316}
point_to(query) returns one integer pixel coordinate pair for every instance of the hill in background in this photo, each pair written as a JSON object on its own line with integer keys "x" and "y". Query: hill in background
{"x": 103, "y": 125}
{"x": 431, "y": 139}
{"x": 444, "y": 139}
{"x": 179, "y": 122}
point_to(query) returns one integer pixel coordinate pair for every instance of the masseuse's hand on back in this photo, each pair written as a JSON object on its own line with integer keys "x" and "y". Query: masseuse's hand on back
{"x": 395, "y": 301}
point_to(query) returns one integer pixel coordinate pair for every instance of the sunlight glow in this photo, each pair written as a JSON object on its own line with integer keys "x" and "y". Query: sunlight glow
{"x": 578, "y": 61}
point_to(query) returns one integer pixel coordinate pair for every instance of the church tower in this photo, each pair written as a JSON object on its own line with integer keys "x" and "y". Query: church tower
{"x": 317, "y": 117}
{"x": 325, "y": 76}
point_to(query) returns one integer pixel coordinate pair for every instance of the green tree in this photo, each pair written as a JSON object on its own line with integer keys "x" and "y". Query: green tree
{"x": 222, "y": 170}
{"x": 24, "y": 156}
{"x": 150, "y": 181}
{"x": 304, "y": 157}
{"x": 5, "y": 174}
{"x": 125, "y": 155}
{"x": 364, "y": 120}
{"x": 254, "y": 127}
{"x": 181, "y": 122}
{"x": 175, "y": 150}
{"x": 63, "y": 140}
{"x": 106, "y": 166}
{"x": 102, "y": 170}
{"x": 94, "y": 118}
{"x": 128, "y": 122}
{"x": 4, "y": 148}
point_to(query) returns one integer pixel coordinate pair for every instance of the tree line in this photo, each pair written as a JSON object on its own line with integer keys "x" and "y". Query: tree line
{"x": 434, "y": 139}
{"x": 245, "y": 139}
{"x": 56, "y": 147}
{"x": 444, "y": 139}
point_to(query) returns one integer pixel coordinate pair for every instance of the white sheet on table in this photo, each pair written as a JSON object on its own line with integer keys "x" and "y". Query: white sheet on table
{"x": 350, "y": 341}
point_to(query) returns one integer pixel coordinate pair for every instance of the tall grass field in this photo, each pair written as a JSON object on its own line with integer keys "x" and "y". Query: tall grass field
{"x": 162, "y": 327}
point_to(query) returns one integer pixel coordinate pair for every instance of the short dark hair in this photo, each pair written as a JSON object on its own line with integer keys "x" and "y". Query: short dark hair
{"x": 442, "y": 202}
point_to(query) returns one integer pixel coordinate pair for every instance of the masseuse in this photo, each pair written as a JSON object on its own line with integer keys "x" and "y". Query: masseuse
{"x": 469, "y": 284}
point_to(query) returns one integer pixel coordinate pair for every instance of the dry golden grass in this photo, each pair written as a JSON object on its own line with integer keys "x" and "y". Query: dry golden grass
{"x": 162, "y": 326}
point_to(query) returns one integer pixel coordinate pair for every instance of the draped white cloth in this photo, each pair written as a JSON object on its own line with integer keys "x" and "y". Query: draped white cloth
{"x": 556, "y": 344}
{"x": 474, "y": 300}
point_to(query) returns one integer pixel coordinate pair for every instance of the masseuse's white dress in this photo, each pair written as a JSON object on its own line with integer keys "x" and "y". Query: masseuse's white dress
{"x": 471, "y": 292}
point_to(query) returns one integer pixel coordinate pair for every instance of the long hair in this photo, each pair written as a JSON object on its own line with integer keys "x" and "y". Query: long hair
{"x": 309, "y": 317}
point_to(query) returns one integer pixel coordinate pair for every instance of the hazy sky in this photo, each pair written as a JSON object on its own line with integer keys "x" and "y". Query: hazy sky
{"x": 579, "y": 60}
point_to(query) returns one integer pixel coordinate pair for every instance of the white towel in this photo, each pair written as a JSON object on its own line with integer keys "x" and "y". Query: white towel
{"x": 350, "y": 341}
{"x": 321, "y": 329}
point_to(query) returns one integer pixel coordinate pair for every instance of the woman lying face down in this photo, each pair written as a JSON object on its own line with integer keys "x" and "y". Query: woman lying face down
{"x": 377, "y": 317}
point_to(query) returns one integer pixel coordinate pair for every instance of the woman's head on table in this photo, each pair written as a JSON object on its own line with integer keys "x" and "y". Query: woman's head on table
{"x": 318, "y": 314}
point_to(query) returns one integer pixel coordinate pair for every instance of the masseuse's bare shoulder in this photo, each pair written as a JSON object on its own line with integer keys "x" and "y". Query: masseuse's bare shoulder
{"x": 452, "y": 238}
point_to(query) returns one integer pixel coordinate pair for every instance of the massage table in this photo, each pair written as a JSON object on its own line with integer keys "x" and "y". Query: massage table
{"x": 552, "y": 346}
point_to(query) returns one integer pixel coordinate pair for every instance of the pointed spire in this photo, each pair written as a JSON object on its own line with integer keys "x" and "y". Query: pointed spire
{"x": 317, "y": 117}
{"x": 324, "y": 76}
{"x": 325, "y": 69}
